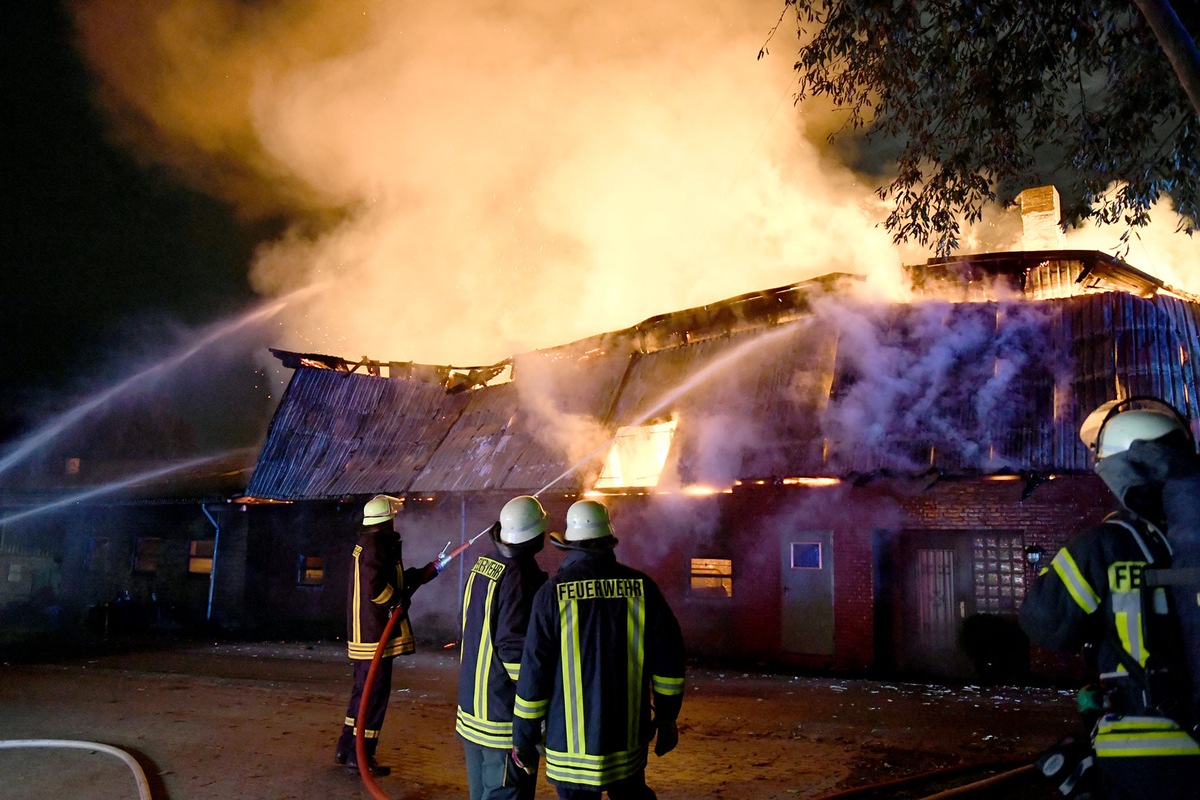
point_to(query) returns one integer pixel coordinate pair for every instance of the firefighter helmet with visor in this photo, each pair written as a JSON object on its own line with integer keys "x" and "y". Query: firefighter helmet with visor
{"x": 521, "y": 520}
{"x": 1117, "y": 424}
{"x": 381, "y": 508}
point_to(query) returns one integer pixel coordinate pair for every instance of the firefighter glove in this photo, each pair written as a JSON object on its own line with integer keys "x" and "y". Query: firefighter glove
{"x": 667, "y": 739}
{"x": 526, "y": 759}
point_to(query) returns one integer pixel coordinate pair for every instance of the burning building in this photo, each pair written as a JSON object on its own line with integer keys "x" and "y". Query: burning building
{"x": 812, "y": 476}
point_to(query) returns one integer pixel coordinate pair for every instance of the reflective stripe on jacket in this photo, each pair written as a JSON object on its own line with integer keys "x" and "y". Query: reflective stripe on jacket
{"x": 1093, "y": 593}
{"x": 1131, "y": 737}
{"x": 495, "y": 615}
{"x": 376, "y": 585}
{"x": 602, "y": 645}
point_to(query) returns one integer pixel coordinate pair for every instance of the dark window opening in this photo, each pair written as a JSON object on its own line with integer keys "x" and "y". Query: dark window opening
{"x": 145, "y": 555}
{"x": 97, "y": 555}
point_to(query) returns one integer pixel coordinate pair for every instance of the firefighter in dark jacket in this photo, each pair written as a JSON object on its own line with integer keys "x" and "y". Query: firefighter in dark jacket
{"x": 496, "y": 603}
{"x": 378, "y": 584}
{"x": 602, "y": 669}
{"x": 1118, "y": 593}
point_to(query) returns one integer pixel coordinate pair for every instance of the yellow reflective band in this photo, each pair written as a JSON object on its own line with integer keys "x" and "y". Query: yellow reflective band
{"x": 466, "y": 604}
{"x": 594, "y": 770}
{"x": 513, "y": 670}
{"x": 635, "y": 622}
{"x": 572, "y": 675}
{"x": 1078, "y": 587}
{"x": 485, "y": 733}
{"x": 384, "y": 596}
{"x": 665, "y": 685}
{"x": 1129, "y": 631}
{"x": 530, "y": 709}
{"x": 483, "y": 661}
{"x": 356, "y": 611}
{"x": 1129, "y": 737}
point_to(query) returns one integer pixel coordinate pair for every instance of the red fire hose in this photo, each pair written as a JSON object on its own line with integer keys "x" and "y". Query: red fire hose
{"x": 360, "y": 738}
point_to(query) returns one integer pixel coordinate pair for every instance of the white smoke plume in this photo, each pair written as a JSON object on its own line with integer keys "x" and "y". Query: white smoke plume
{"x": 952, "y": 374}
{"x": 477, "y": 181}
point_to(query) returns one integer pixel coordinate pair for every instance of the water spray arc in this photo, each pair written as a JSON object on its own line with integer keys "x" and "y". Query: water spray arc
{"x": 113, "y": 486}
{"x": 694, "y": 380}
{"x": 67, "y": 420}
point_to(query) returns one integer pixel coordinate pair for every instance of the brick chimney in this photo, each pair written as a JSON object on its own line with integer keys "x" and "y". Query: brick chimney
{"x": 1040, "y": 215}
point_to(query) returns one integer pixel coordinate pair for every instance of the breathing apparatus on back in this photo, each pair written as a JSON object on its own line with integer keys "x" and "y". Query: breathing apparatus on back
{"x": 1146, "y": 455}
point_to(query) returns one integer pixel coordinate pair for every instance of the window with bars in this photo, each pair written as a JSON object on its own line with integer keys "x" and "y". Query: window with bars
{"x": 999, "y": 571}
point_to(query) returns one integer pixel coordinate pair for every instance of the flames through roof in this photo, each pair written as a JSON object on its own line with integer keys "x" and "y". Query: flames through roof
{"x": 798, "y": 396}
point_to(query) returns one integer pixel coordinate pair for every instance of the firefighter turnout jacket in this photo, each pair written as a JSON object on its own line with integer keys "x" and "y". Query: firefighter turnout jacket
{"x": 602, "y": 646}
{"x": 496, "y": 605}
{"x": 1098, "y": 591}
{"x": 379, "y": 582}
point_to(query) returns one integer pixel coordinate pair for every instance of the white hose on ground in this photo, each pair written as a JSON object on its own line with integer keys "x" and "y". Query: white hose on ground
{"x": 138, "y": 776}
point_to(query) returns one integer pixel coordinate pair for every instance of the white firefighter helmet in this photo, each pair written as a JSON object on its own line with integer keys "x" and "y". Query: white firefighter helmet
{"x": 521, "y": 520}
{"x": 1117, "y": 424}
{"x": 587, "y": 520}
{"x": 381, "y": 508}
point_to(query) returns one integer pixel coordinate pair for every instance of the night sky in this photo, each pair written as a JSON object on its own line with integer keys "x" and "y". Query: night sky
{"x": 109, "y": 263}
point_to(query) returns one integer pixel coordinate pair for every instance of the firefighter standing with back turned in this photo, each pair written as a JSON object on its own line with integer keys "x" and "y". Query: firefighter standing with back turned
{"x": 496, "y": 603}
{"x": 602, "y": 646}
{"x": 1127, "y": 593}
{"x": 378, "y": 583}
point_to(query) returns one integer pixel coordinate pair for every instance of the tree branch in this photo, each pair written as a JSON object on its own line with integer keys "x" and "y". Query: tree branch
{"x": 1177, "y": 43}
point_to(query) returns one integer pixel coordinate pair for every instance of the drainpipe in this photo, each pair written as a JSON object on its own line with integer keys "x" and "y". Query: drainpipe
{"x": 212, "y": 573}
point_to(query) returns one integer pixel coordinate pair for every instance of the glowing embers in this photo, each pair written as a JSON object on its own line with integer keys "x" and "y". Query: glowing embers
{"x": 712, "y": 577}
{"x": 637, "y": 456}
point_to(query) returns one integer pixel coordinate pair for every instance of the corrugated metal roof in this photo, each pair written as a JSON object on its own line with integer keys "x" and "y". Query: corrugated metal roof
{"x": 336, "y": 434}
{"x": 932, "y": 385}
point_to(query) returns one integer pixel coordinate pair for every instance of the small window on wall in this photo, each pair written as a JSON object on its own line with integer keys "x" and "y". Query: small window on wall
{"x": 712, "y": 577}
{"x": 200, "y": 556}
{"x": 312, "y": 570}
{"x": 145, "y": 555}
{"x": 806, "y": 555}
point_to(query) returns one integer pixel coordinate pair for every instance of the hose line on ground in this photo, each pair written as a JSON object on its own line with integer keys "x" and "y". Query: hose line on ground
{"x": 897, "y": 784}
{"x": 139, "y": 776}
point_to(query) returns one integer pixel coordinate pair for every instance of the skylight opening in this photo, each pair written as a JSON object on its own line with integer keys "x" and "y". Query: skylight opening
{"x": 637, "y": 456}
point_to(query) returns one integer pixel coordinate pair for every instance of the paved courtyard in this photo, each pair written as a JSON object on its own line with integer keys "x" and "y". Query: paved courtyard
{"x": 217, "y": 721}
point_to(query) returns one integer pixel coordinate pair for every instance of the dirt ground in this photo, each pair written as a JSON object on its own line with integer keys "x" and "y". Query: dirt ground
{"x": 213, "y": 720}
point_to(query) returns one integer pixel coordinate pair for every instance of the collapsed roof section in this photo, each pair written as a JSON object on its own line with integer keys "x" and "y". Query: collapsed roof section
{"x": 990, "y": 371}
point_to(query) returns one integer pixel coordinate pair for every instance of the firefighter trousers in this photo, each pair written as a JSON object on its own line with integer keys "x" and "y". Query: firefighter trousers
{"x": 492, "y": 775}
{"x": 376, "y": 707}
